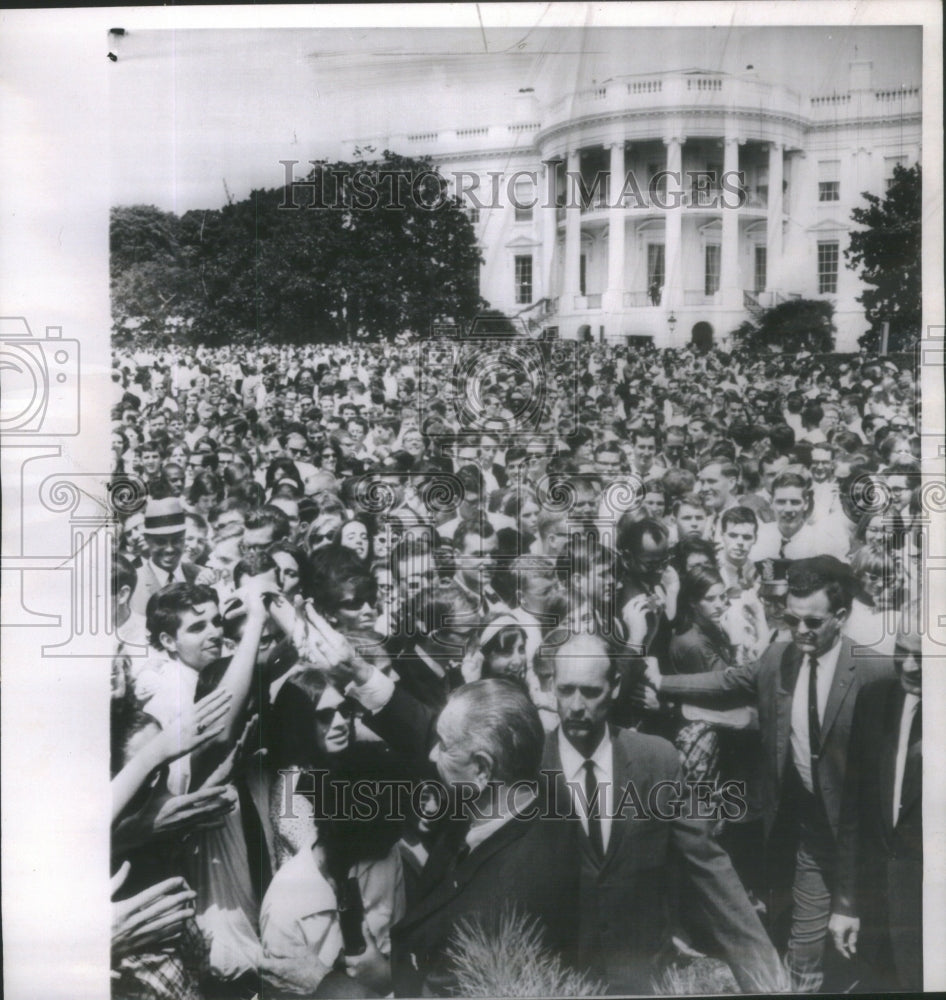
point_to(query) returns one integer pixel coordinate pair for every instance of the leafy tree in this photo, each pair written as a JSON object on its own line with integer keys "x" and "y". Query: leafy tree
{"x": 887, "y": 249}
{"x": 792, "y": 326}
{"x": 356, "y": 249}
{"x": 148, "y": 275}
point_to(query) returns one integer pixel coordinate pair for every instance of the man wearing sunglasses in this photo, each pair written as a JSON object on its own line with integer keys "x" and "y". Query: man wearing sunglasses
{"x": 805, "y": 692}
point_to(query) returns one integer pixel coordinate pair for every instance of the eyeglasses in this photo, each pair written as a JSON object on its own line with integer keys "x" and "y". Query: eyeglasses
{"x": 346, "y": 709}
{"x": 810, "y": 623}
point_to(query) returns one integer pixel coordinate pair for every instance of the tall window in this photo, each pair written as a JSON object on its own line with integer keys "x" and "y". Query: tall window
{"x": 655, "y": 265}
{"x": 524, "y": 278}
{"x": 524, "y": 197}
{"x": 473, "y": 214}
{"x": 761, "y": 263}
{"x": 890, "y": 164}
{"x": 827, "y": 268}
{"x": 583, "y": 275}
{"x": 711, "y": 270}
{"x": 829, "y": 180}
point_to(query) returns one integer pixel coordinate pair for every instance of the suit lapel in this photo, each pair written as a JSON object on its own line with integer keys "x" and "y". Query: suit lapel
{"x": 787, "y": 677}
{"x": 889, "y": 736}
{"x": 450, "y": 883}
{"x": 841, "y": 686}
{"x": 620, "y": 770}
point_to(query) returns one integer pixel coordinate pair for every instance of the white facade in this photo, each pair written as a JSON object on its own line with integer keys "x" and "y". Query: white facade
{"x": 631, "y": 260}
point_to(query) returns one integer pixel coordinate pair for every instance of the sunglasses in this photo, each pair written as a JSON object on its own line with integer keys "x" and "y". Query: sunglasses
{"x": 346, "y": 709}
{"x": 811, "y": 624}
{"x": 361, "y": 597}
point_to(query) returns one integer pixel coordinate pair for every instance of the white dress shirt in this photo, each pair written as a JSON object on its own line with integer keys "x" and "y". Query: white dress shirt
{"x": 911, "y": 705}
{"x": 801, "y": 748}
{"x": 573, "y": 768}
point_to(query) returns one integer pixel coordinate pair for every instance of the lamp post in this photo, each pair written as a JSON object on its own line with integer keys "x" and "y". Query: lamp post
{"x": 672, "y": 323}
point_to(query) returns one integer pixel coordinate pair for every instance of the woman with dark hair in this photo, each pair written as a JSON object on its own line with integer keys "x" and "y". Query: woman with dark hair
{"x": 292, "y": 568}
{"x": 355, "y": 534}
{"x": 205, "y": 492}
{"x": 280, "y": 472}
{"x": 499, "y": 651}
{"x": 326, "y": 919}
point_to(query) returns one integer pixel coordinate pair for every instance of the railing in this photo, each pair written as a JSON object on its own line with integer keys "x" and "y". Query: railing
{"x": 469, "y": 133}
{"x": 422, "y": 137}
{"x": 645, "y": 87}
{"x": 696, "y": 297}
{"x": 525, "y": 127}
{"x": 896, "y": 95}
{"x": 633, "y": 300}
{"x": 830, "y": 99}
{"x": 588, "y": 301}
{"x": 704, "y": 83}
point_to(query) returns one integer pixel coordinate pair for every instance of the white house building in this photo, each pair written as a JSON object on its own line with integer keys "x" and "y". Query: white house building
{"x": 704, "y": 196}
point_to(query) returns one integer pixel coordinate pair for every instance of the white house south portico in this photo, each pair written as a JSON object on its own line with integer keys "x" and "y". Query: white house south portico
{"x": 676, "y": 205}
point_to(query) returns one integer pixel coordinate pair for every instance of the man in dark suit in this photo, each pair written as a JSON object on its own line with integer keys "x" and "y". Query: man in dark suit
{"x": 621, "y": 783}
{"x": 488, "y": 748}
{"x": 502, "y": 851}
{"x": 878, "y": 900}
{"x": 805, "y": 692}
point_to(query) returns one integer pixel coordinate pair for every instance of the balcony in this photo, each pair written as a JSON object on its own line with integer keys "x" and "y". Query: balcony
{"x": 668, "y": 90}
{"x": 697, "y": 297}
{"x": 634, "y": 300}
{"x": 584, "y": 302}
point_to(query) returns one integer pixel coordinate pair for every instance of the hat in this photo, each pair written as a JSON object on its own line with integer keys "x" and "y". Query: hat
{"x": 164, "y": 517}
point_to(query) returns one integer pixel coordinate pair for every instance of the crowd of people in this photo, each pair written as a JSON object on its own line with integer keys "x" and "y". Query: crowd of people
{"x": 413, "y": 635}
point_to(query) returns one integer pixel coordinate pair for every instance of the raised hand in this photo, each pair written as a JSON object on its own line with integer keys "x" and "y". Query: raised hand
{"x": 204, "y": 724}
{"x": 152, "y": 919}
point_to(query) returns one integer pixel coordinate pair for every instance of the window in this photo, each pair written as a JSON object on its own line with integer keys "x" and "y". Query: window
{"x": 761, "y": 262}
{"x": 473, "y": 214}
{"x": 829, "y": 180}
{"x": 890, "y": 165}
{"x": 523, "y": 279}
{"x": 711, "y": 270}
{"x": 524, "y": 197}
{"x": 583, "y": 275}
{"x": 655, "y": 265}
{"x": 828, "y": 268}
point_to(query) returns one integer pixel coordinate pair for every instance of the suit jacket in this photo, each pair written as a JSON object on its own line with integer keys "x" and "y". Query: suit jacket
{"x": 148, "y": 584}
{"x": 880, "y": 863}
{"x": 770, "y": 683}
{"x": 530, "y": 864}
{"x": 625, "y": 912}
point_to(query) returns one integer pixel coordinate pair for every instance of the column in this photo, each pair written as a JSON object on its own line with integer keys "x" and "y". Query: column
{"x": 614, "y": 297}
{"x": 571, "y": 278}
{"x": 549, "y": 230}
{"x": 673, "y": 232}
{"x": 773, "y": 253}
{"x": 729, "y": 254}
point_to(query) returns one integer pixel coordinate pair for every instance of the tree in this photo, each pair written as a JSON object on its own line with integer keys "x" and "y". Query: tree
{"x": 355, "y": 249}
{"x": 887, "y": 249}
{"x": 148, "y": 273}
{"x": 792, "y": 326}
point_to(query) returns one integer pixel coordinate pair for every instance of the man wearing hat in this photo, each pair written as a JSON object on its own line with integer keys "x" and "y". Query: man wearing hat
{"x": 164, "y": 538}
{"x": 805, "y": 692}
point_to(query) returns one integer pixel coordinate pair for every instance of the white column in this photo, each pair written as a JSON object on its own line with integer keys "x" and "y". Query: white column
{"x": 672, "y": 298}
{"x": 549, "y": 230}
{"x": 773, "y": 254}
{"x": 614, "y": 297}
{"x": 729, "y": 254}
{"x": 571, "y": 279}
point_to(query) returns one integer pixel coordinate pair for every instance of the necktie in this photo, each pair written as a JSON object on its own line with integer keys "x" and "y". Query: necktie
{"x": 913, "y": 766}
{"x": 594, "y": 810}
{"x": 814, "y": 722}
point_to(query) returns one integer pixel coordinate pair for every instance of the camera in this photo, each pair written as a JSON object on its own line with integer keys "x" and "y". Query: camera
{"x": 39, "y": 380}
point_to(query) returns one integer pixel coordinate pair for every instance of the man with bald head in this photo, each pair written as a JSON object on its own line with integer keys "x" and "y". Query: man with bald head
{"x": 621, "y": 784}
